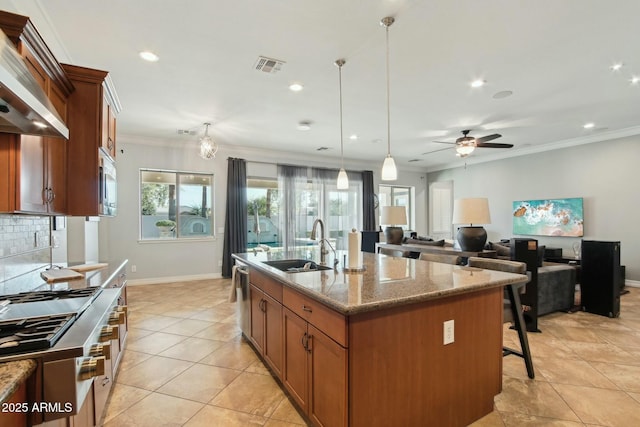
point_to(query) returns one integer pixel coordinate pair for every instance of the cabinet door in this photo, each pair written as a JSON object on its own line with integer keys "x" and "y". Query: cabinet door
{"x": 108, "y": 141}
{"x": 257, "y": 319}
{"x": 328, "y": 380}
{"x": 56, "y": 158}
{"x": 111, "y": 139}
{"x": 273, "y": 334}
{"x": 101, "y": 387}
{"x": 294, "y": 369}
{"x": 32, "y": 174}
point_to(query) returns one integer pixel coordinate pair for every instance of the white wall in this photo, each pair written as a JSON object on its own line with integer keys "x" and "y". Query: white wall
{"x": 604, "y": 174}
{"x": 167, "y": 259}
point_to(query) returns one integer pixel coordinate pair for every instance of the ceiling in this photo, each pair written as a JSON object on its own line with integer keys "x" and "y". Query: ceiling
{"x": 555, "y": 58}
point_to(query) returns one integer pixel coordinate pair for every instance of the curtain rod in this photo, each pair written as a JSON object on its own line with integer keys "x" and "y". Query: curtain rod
{"x": 291, "y": 164}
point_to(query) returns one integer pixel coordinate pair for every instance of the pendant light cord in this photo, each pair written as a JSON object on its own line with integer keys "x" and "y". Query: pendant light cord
{"x": 340, "y": 63}
{"x": 388, "y": 102}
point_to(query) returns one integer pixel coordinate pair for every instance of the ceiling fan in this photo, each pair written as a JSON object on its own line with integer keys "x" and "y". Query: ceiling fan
{"x": 466, "y": 144}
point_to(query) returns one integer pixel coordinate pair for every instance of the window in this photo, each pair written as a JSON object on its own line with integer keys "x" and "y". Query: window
{"x": 175, "y": 205}
{"x": 390, "y": 195}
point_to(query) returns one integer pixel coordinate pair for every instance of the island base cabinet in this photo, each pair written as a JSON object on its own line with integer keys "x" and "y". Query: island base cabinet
{"x": 402, "y": 374}
{"x": 266, "y": 328}
{"x": 315, "y": 371}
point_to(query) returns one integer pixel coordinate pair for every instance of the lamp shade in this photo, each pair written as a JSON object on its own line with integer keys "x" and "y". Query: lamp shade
{"x": 393, "y": 215}
{"x": 471, "y": 211}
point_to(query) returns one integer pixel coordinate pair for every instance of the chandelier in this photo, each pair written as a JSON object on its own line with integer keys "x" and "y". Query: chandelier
{"x": 208, "y": 147}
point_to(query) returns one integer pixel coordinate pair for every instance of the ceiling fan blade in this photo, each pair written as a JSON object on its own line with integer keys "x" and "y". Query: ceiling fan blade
{"x": 488, "y": 137}
{"x": 436, "y": 151}
{"x": 442, "y": 142}
{"x": 493, "y": 145}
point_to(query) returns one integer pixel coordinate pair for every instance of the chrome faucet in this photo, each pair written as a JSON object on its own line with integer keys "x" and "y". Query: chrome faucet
{"x": 323, "y": 249}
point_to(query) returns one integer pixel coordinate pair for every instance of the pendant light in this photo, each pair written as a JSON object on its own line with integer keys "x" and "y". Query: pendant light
{"x": 343, "y": 179}
{"x": 208, "y": 147}
{"x": 389, "y": 171}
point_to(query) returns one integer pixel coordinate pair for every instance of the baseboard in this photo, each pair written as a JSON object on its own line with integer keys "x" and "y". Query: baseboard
{"x": 172, "y": 279}
{"x": 632, "y": 283}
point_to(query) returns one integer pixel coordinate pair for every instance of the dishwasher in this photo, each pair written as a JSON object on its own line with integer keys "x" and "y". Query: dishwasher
{"x": 243, "y": 298}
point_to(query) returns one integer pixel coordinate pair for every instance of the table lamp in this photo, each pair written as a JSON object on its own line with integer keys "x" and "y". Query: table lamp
{"x": 393, "y": 216}
{"x": 471, "y": 211}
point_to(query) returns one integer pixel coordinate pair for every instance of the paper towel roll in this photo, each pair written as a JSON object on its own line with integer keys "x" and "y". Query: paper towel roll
{"x": 355, "y": 254}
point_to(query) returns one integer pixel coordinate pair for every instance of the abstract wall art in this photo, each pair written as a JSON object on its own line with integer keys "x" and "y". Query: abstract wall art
{"x": 550, "y": 217}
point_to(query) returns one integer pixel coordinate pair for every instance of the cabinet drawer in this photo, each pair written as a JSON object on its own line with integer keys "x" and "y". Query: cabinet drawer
{"x": 322, "y": 317}
{"x": 266, "y": 284}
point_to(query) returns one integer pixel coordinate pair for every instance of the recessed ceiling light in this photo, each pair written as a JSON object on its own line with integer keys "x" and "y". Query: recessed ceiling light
{"x": 304, "y": 125}
{"x": 617, "y": 66}
{"x": 353, "y": 137}
{"x": 634, "y": 80}
{"x": 589, "y": 125}
{"x": 502, "y": 94}
{"x": 478, "y": 83}
{"x": 149, "y": 56}
{"x": 296, "y": 87}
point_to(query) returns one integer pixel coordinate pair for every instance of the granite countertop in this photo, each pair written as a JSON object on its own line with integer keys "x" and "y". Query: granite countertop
{"x": 385, "y": 282}
{"x": 12, "y": 374}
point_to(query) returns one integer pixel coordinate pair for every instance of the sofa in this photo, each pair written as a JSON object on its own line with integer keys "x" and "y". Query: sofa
{"x": 556, "y": 282}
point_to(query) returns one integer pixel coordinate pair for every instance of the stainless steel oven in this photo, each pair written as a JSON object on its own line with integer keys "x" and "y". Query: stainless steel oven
{"x": 108, "y": 194}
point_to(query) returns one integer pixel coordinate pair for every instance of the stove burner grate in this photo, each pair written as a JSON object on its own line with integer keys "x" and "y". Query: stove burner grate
{"x": 37, "y": 333}
{"x": 49, "y": 295}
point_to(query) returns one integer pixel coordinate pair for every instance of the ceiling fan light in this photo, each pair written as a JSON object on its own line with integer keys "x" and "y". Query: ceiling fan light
{"x": 389, "y": 170}
{"x": 343, "y": 180}
{"x": 465, "y": 148}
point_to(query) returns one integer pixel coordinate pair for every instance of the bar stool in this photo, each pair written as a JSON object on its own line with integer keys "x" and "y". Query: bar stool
{"x": 512, "y": 305}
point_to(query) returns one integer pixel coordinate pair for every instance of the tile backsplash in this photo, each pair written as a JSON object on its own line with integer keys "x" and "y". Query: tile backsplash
{"x": 25, "y": 246}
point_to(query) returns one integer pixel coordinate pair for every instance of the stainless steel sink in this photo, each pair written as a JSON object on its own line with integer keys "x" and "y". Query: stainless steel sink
{"x": 296, "y": 265}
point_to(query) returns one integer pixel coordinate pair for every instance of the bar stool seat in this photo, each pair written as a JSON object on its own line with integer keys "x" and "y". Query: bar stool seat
{"x": 443, "y": 258}
{"x": 512, "y": 306}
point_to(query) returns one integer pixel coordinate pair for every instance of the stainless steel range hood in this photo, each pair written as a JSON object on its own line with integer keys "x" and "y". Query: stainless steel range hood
{"x": 24, "y": 107}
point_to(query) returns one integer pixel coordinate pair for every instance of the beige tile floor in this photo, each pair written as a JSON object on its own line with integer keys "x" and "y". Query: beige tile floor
{"x": 186, "y": 365}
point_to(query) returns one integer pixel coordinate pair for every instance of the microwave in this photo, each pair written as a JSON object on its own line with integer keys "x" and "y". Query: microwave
{"x": 107, "y": 203}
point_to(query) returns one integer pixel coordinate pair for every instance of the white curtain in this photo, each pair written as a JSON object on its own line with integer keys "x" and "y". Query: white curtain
{"x": 292, "y": 186}
{"x": 341, "y": 210}
{"x": 303, "y": 199}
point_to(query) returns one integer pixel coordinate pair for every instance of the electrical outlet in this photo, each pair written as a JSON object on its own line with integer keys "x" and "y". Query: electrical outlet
{"x": 448, "y": 329}
{"x": 134, "y": 268}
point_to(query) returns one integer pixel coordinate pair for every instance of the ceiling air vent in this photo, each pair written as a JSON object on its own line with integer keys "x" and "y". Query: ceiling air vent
{"x": 268, "y": 65}
{"x": 322, "y": 148}
{"x": 186, "y": 132}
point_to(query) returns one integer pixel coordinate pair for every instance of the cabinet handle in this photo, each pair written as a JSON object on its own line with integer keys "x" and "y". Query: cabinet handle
{"x": 262, "y": 305}
{"x": 110, "y": 144}
{"x": 307, "y": 309}
{"x": 45, "y": 195}
{"x": 52, "y": 195}
{"x": 304, "y": 345}
{"x": 309, "y": 346}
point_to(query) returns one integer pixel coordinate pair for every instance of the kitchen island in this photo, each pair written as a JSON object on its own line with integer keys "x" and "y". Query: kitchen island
{"x": 368, "y": 348}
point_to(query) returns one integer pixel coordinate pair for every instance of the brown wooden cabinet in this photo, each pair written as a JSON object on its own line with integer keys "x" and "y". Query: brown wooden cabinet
{"x": 315, "y": 364}
{"x": 35, "y": 166}
{"x": 266, "y": 328}
{"x": 108, "y": 141}
{"x": 89, "y": 125}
